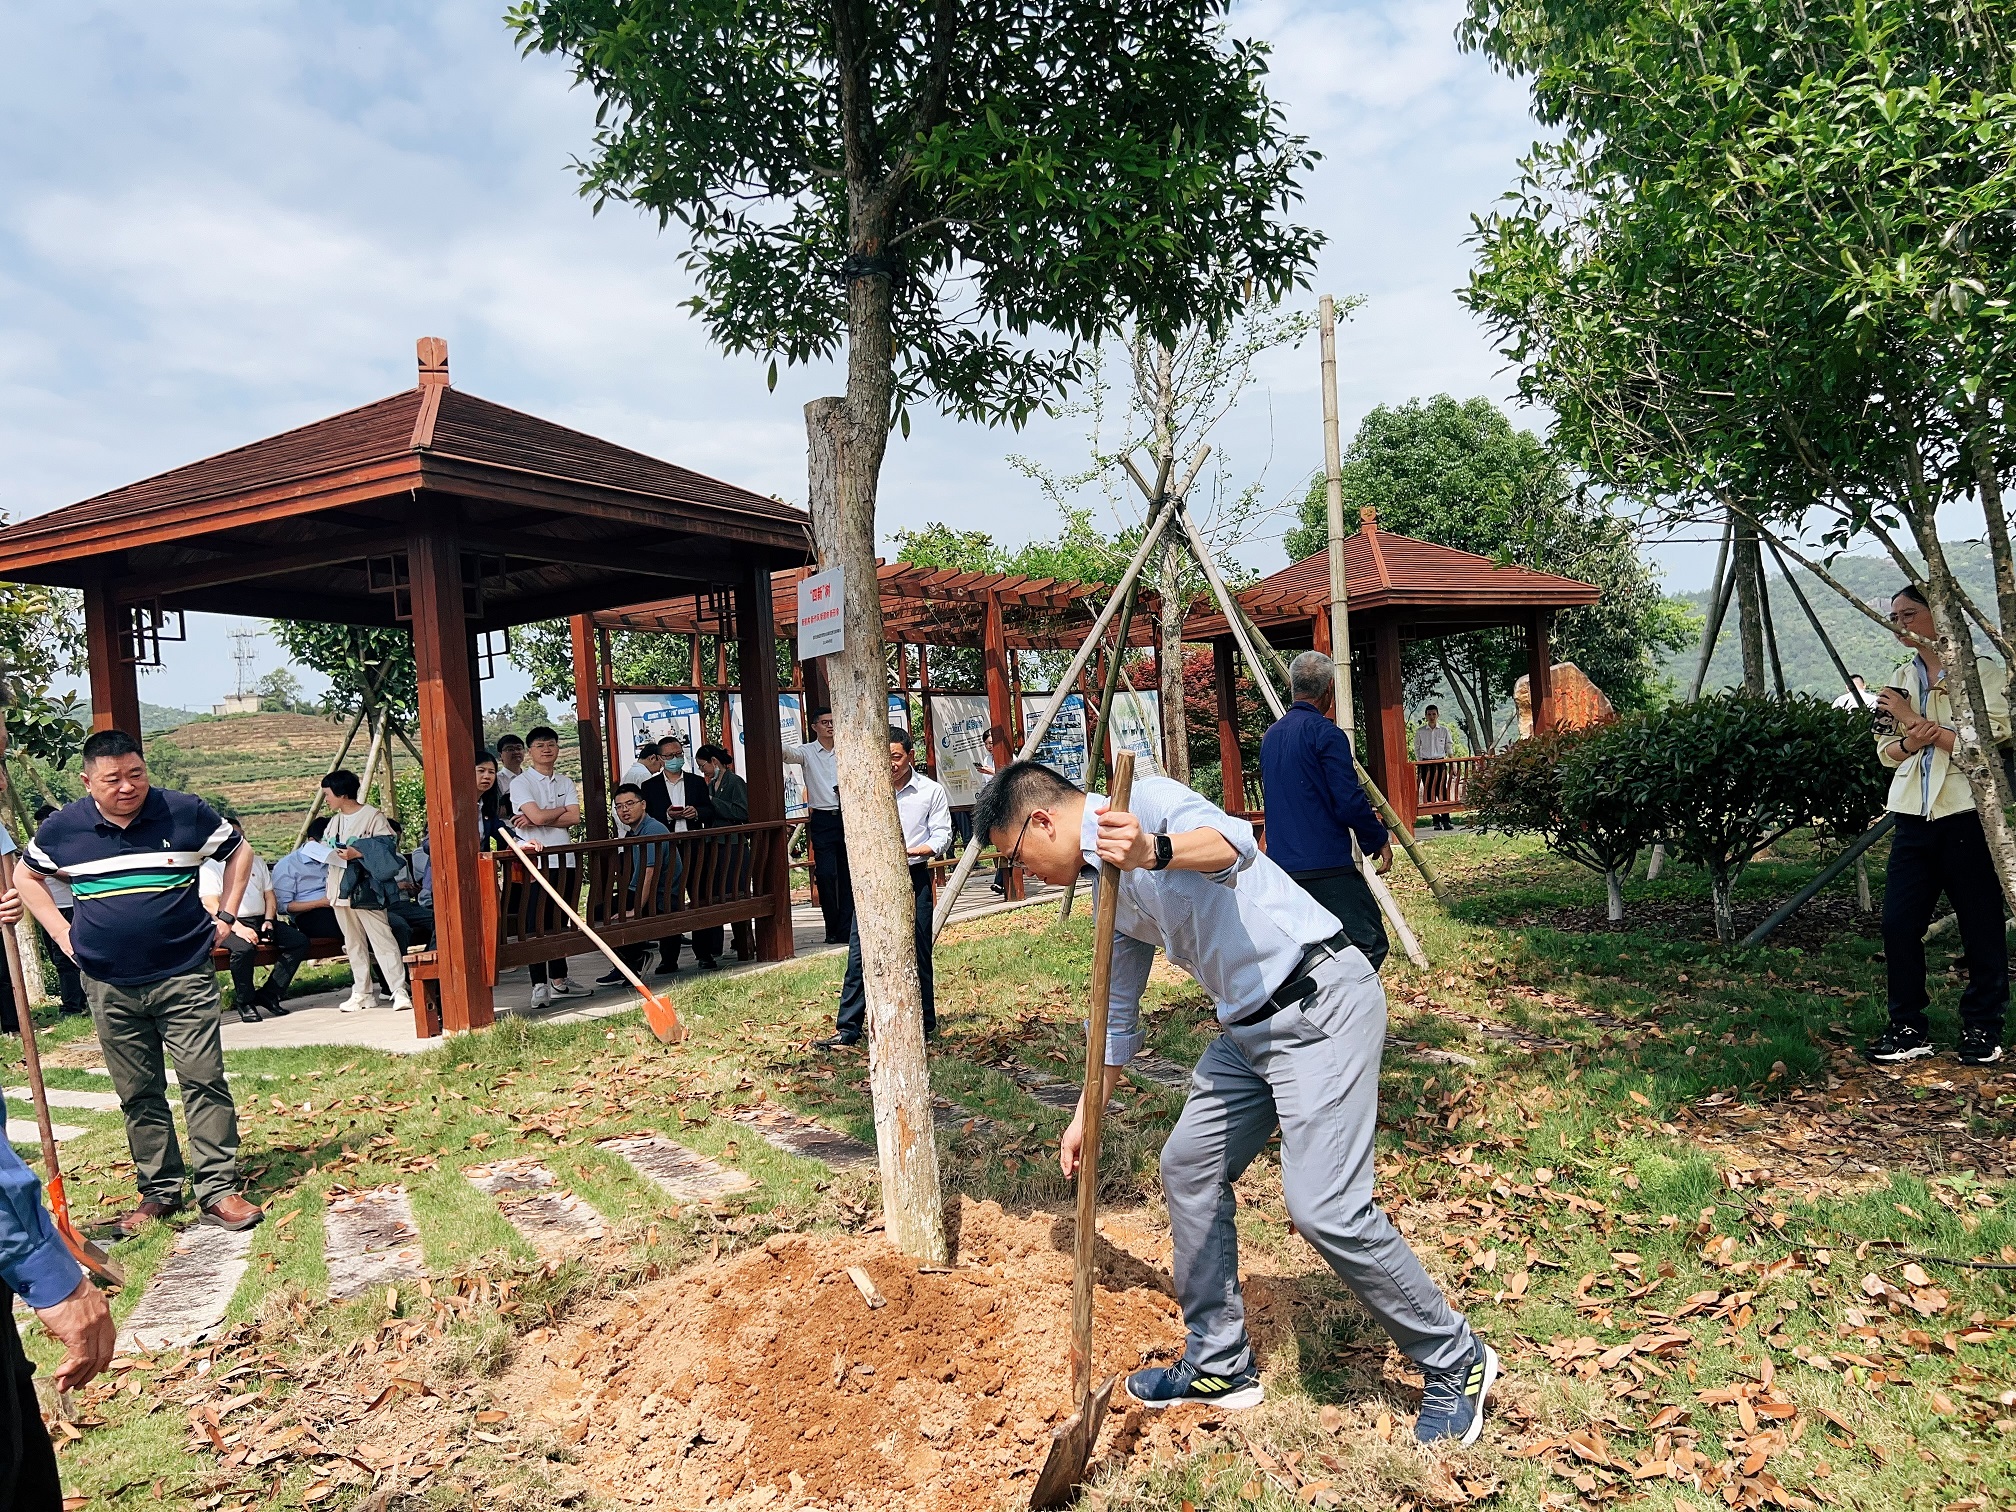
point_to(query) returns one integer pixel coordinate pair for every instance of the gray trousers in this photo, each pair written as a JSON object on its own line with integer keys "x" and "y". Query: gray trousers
{"x": 1314, "y": 1069}
{"x": 178, "y": 1015}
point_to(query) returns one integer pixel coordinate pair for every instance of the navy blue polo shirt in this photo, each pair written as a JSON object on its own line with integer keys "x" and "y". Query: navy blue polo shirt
{"x": 140, "y": 916}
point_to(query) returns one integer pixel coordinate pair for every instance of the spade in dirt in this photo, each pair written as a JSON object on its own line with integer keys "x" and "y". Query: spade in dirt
{"x": 1072, "y": 1442}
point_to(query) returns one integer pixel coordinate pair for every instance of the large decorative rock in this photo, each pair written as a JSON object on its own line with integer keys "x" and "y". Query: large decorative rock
{"x": 1578, "y": 703}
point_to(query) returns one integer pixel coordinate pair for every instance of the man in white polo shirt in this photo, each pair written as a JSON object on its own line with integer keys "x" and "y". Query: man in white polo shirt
{"x": 829, "y": 837}
{"x": 544, "y": 806}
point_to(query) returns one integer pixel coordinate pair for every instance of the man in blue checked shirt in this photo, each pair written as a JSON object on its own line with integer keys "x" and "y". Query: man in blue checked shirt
{"x": 36, "y": 1266}
{"x": 1304, "y": 1024}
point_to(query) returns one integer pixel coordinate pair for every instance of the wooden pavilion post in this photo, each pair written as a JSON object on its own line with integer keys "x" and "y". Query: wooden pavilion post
{"x": 448, "y": 730}
{"x": 115, "y": 686}
{"x": 1540, "y": 672}
{"x": 595, "y": 776}
{"x": 1000, "y": 703}
{"x": 763, "y": 741}
{"x": 1389, "y": 739}
{"x": 1225, "y": 674}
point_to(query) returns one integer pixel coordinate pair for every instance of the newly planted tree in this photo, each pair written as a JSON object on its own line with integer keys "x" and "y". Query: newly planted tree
{"x": 1574, "y": 789}
{"x": 951, "y": 197}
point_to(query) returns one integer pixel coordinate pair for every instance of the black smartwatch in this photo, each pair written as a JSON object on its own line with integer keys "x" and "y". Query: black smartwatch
{"x": 224, "y": 916}
{"x": 1165, "y": 852}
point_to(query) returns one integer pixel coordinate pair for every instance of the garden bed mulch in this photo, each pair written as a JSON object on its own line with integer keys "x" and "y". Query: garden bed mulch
{"x": 1823, "y": 921}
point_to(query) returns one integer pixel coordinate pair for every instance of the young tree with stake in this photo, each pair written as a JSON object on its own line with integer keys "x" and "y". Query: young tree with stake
{"x": 957, "y": 197}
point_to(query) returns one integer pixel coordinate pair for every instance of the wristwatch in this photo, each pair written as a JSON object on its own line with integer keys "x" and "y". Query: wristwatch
{"x": 224, "y": 916}
{"x": 1164, "y": 853}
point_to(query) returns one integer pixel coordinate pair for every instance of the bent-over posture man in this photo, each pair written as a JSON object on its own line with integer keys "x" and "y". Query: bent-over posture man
{"x": 1305, "y": 1021}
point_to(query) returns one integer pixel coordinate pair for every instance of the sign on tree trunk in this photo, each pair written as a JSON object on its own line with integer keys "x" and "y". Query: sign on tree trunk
{"x": 822, "y": 628}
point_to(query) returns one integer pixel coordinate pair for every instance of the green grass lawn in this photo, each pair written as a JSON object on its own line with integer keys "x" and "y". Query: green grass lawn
{"x": 1724, "y": 1263}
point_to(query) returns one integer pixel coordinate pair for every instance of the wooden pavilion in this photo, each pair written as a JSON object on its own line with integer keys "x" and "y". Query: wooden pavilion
{"x": 444, "y": 512}
{"x": 1399, "y": 589}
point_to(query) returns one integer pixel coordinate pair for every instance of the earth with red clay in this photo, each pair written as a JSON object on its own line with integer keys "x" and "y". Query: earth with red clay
{"x": 770, "y": 1379}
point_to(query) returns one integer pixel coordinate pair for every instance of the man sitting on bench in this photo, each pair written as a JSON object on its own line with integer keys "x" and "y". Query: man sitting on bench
{"x": 259, "y": 923}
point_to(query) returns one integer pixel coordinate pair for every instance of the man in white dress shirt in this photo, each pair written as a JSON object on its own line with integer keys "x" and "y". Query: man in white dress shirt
{"x": 1433, "y": 746}
{"x": 829, "y": 839}
{"x": 544, "y": 807}
{"x": 926, "y": 818}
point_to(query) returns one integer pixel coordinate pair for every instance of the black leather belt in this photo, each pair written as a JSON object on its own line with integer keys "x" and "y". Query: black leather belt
{"x": 1301, "y": 981}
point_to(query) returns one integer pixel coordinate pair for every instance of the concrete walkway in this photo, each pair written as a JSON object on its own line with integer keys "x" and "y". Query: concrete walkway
{"x": 317, "y": 1019}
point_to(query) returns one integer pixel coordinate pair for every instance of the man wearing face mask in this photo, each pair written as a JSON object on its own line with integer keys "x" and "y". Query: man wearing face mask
{"x": 691, "y": 807}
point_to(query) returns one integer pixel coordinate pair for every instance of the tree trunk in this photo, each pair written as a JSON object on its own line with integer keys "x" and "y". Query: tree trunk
{"x": 846, "y": 439}
{"x": 1748, "y": 566}
{"x": 1989, "y": 485}
{"x": 1169, "y": 625}
{"x": 1723, "y": 886}
{"x": 1616, "y": 896}
{"x": 1863, "y": 902}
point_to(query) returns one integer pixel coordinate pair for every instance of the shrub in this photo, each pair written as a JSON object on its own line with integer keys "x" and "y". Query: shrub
{"x": 1570, "y": 788}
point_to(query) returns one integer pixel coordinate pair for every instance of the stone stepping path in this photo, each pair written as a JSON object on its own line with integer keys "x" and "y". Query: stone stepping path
{"x": 185, "y": 1300}
{"x": 63, "y": 1097}
{"x": 955, "y": 1118}
{"x": 1051, "y": 1091}
{"x": 677, "y": 1171}
{"x": 371, "y": 1241}
{"x": 556, "y": 1223}
{"x": 1160, "y": 1070}
{"x": 22, "y": 1131}
{"x": 801, "y": 1136}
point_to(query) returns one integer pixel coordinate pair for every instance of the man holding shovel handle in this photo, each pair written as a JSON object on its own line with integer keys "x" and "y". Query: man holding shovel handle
{"x": 1304, "y": 1023}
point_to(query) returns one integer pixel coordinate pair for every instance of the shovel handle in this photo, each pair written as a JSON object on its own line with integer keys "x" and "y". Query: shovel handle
{"x": 17, "y": 980}
{"x": 539, "y": 876}
{"x": 1094, "y": 1100}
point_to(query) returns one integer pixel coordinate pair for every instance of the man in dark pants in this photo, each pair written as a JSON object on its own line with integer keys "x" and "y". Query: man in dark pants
{"x": 66, "y": 969}
{"x": 689, "y": 806}
{"x": 829, "y": 838}
{"x": 1315, "y": 805}
{"x": 1938, "y": 846}
{"x": 728, "y": 803}
{"x": 927, "y": 833}
{"x": 35, "y": 1265}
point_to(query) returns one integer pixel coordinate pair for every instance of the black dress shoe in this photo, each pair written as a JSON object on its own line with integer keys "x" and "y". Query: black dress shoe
{"x": 248, "y": 1013}
{"x": 273, "y": 1008}
{"x": 836, "y": 1042}
{"x": 710, "y": 963}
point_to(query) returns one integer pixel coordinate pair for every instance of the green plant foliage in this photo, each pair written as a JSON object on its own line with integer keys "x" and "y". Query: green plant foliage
{"x": 353, "y": 658}
{"x": 49, "y": 729}
{"x": 1572, "y": 788}
{"x": 1720, "y": 779}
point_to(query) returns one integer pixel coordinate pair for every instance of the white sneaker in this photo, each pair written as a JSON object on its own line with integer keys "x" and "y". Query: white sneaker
{"x": 402, "y": 1005}
{"x": 357, "y": 1005}
{"x": 565, "y": 987}
{"x": 541, "y": 994}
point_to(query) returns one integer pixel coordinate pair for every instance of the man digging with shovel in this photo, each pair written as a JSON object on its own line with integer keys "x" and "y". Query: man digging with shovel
{"x": 1305, "y": 1022}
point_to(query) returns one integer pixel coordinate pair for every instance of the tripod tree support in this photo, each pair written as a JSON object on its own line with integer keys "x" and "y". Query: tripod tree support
{"x": 1833, "y": 869}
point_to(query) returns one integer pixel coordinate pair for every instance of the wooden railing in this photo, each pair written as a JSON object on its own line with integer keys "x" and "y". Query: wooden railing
{"x": 1442, "y": 787}
{"x": 639, "y": 888}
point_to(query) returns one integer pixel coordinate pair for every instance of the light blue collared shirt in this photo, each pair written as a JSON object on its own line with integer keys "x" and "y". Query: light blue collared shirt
{"x": 1240, "y": 932}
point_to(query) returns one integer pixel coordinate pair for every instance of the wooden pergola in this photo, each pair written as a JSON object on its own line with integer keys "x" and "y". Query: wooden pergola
{"x": 1399, "y": 589}
{"x": 454, "y": 516}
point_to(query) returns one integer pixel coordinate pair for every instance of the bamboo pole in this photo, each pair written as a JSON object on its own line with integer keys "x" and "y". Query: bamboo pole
{"x": 1096, "y": 756}
{"x": 1333, "y": 479}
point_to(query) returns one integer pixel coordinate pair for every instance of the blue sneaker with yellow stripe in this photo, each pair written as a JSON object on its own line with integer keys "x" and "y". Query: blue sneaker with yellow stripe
{"x": 1452, "y": 1401}
{"x": 1167, "y": 1386}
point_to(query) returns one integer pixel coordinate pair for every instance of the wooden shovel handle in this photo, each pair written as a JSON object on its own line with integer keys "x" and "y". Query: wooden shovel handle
{"x": 17, "y": 979}
{"x": 1094, "y": 1100}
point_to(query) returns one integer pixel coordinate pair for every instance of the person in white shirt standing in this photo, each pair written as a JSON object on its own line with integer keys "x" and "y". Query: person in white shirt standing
{"x": 926, "y": 818}
{"x": 510, "y": 762}
{"x": 829, "y": 837}
{"x": 367, "y": 932}
{"x": 1433, "y": 746}
{"x": 544, "y": 806}
{"x": 1860, "y": 698}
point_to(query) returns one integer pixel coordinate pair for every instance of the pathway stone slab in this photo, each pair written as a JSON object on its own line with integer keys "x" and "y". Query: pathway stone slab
{"x": 370, "y": 1241}
{"x": 956, "y": 1118}
{"x": 802, "y": 1136}
{"x": 185, "y": 1299}
{"x": 679, "y": 1172}
{"x": 63, "y": 1097}
{"x": 1051, "y": 1091}
{"x": 556, "y": 1223}
{"x": 22, "y": 1131}
{"x": 1160, "y": 1070}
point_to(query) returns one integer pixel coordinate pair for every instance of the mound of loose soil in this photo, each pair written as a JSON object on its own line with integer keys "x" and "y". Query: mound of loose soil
{"x": 770, "y": 1377}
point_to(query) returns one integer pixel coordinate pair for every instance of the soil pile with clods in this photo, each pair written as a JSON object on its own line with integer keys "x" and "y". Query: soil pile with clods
{"x": 771, "y": 1379}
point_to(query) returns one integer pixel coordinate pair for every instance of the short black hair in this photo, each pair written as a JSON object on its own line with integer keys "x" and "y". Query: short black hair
{"x": 1914, "y": 593}
{"x": 714, "y": 753}
{"x": 483, "y": 754}
{"x": 342, "y": 782}
{"x": 817, "y": 714}
{"x": 627, "y": 787}
{"x": 506, "y": 742}
{"x": 542, "y": 732}
{"x": 108, "y": 745}
{"x": 318, "y": 827}
{"x": 1432, "y": 709}
{"x": 1021, "y": 786}
{"x": 649, "y": 748}
{"x": 43, "y": 810}
{"x": 677, "y": 740}
{"x": 900, "y": 736}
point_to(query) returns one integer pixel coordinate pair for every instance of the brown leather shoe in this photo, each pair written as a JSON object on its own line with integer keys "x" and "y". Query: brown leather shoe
{"x": 149, "y": 1211}
{"x": 233, "y": 1213}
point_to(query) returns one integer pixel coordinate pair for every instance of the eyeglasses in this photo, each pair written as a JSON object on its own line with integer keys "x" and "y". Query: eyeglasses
{"x": 1015, "y": 855}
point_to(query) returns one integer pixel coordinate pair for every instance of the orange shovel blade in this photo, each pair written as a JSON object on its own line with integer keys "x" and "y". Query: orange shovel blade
{"x": 87, "y": 1254}
{"x": 663, "y": 1019}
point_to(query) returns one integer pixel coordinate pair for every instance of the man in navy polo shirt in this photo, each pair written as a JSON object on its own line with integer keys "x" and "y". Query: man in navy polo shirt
{"x": 132, "y": 854}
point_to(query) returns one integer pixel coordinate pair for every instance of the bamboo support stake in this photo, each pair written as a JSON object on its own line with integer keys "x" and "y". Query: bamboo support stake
{"x": 1333, "y": 493}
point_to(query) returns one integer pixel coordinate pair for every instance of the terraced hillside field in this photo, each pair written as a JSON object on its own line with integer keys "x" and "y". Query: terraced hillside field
{"x": 264, "y": 765}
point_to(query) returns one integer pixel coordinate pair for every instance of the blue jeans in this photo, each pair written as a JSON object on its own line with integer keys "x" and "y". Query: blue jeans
{"x": 854, "y": 997}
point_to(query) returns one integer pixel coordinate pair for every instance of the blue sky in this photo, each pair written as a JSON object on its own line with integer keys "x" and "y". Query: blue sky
{"x": 220, "y": 220}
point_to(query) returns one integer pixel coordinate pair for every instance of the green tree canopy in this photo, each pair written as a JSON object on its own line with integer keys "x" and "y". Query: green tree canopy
{"x": 356, "y": 659}
{"x": 1461, "y": 475}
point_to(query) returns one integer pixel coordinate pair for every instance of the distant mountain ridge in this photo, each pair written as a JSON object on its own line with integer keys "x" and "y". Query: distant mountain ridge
{"x": 1863, "y": 645}
{"x": 155, "y": 718}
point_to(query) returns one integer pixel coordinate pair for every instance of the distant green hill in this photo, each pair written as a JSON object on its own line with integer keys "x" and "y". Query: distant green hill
{"x": 155, "y": 718}
{"x": 1865, "y": 647}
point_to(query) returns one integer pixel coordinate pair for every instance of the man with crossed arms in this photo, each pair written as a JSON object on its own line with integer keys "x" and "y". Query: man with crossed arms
{"x": 1305, "y": 1023}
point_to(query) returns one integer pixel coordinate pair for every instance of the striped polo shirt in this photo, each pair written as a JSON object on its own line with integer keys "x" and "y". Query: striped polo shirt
{"x": 140, "y": 916}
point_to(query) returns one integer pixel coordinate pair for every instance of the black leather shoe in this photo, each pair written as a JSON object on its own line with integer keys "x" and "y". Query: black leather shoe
{"x": 248, "y": 1013}
{"x": 837, "y": 1042}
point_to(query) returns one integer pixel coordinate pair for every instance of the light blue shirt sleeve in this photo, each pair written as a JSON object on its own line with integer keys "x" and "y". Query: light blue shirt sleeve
{"x": 938, "y": 821}
{"x": 34, "y": 1261}
{"x": 1132, "y": 961}
{"x": 1168, "y": 807}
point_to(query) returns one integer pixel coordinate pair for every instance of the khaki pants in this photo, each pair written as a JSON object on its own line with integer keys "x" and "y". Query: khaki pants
{"x": 367, "y": 932}
{"x": 178, "y": 1015}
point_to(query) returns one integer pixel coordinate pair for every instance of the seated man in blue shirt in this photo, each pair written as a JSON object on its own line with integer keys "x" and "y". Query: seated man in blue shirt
{"x": 1305, "y": 1022}
{"x": 301, "y": 885}
{"x": 36, "y": 1266}
{"x": 1315, "y": 806}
